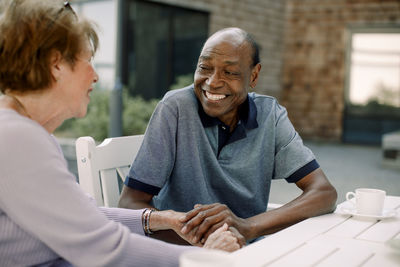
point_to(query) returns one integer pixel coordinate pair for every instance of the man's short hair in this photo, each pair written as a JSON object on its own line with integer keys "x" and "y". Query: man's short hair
{"x": 250, "y": 39}
{"x": 256, "y": 49}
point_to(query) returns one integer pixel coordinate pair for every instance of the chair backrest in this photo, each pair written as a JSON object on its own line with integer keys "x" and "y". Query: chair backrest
{"x": 102, "y": 168}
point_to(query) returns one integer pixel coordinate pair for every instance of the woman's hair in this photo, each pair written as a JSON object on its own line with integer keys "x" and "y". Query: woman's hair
{"x": 31, "y": 31}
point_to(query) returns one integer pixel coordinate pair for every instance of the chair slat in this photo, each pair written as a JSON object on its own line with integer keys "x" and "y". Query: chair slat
{"x": 109, "y": 184}
{"x": 100, "y": 167}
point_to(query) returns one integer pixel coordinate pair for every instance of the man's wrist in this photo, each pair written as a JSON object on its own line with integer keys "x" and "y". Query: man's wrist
{"x": 249, "y": 229}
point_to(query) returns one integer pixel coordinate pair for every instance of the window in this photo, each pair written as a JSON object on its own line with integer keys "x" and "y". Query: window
{"x": 104, "y": 61}
{"x": 375, "y": 69}
{"x": 162, "y": 44}
{"x": 373, "y": 93}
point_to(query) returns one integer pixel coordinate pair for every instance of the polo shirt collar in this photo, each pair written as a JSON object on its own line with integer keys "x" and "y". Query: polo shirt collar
{"x": 247, "y": 115}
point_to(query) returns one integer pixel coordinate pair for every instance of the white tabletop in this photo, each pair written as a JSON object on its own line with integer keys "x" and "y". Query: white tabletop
{"x": 336, "y": 239}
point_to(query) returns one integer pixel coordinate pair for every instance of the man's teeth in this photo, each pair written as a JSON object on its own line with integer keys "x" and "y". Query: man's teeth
{"x": 214, "y": 96}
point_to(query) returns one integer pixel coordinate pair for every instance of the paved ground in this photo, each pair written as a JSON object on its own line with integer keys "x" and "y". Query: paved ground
{"x": 347, "y": 167}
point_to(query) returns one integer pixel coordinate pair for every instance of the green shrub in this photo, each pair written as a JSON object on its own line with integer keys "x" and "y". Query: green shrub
{"x": 94, "y": 124}
{"x": 135, "y": 117}
{"x": 182, "y": 81}
{"x": 136, "y": 114}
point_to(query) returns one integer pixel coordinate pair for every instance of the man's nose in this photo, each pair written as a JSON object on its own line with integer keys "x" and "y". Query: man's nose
{"x": 214, "y": 80}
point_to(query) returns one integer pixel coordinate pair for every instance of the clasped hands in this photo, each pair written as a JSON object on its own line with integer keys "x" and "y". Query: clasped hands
{"x": 201, "y": 222}
{"x": 209, "y": 226}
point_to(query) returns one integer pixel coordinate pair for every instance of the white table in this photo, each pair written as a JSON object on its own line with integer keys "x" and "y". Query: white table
{"x": 330, "y": 240}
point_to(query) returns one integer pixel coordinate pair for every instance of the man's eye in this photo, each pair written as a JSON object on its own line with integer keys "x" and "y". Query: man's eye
{"x": 231, "y": 73}
{"x": 203, "y": 68}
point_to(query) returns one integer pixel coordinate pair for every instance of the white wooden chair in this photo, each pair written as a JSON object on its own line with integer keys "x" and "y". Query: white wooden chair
{"x": 103, "y": 168}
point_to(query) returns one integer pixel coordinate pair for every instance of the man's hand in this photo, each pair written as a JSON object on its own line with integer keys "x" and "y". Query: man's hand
{"x": 203, "y": 220}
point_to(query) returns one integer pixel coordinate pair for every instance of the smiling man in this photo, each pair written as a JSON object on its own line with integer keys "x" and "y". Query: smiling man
{"x": 212, "y": 149}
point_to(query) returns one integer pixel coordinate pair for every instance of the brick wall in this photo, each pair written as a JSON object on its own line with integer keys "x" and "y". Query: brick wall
{"x": 264, "y": 19}
{"x": 303, "y": 52}
{"x": 316, "y": 38}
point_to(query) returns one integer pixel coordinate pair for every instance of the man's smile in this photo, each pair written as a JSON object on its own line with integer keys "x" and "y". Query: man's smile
{"x": 214, "y": 97}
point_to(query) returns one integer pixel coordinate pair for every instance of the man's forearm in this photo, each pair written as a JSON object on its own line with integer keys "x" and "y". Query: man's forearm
{"x": 134, "y": 199}
{"x": 307, "y": 205}
{"x": 135, "y": 205}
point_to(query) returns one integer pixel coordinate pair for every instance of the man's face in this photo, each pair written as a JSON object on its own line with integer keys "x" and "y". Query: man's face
{"x": 223, "y": 75}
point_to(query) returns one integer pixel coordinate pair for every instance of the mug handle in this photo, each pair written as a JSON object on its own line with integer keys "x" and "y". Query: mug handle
{"x": 350, "y": 197}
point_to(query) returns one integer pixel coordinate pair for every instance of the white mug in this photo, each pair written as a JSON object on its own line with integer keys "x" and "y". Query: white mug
{"x": 367, "y": 201}
{"x": 205, "y": 257}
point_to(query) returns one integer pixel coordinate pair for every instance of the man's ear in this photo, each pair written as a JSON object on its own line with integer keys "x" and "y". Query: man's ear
{"x": 254, "y": 75}
{"x": 56, "y": 66}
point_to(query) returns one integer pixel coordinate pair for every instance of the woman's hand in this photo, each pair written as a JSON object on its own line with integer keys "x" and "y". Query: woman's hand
{"x": 169, "y": 219}
{"x": 225, "y": 239}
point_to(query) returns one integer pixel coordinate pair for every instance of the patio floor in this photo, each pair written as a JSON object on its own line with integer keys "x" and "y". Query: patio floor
{"x": 348, "y": 167}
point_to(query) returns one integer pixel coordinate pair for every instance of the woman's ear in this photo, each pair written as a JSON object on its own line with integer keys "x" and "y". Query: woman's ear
{"x": 254, "y": 75}
{"x": 56, "y": 66}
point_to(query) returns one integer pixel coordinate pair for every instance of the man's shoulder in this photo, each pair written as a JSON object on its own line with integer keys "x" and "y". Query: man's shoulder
{"x": 263, "y": 99}
{"x": 182, "y": 99}
{"x": 268, "y": 108}
{"x": 265, "y": 103}
{"x": 186, "y": 93}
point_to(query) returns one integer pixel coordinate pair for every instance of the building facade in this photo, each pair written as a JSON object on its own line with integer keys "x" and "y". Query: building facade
{"x": 307, "y": 55}
{"x": 316, "y": 67}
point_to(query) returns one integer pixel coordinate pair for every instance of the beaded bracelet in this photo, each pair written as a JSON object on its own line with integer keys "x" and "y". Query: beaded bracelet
{"x": 146, "y": 221}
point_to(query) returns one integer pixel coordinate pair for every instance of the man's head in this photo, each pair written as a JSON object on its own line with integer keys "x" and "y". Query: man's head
{"x": 228, "y": 66}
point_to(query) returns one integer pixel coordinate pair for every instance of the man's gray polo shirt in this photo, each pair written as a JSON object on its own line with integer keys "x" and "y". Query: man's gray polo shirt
{"x": 179, "y": 161}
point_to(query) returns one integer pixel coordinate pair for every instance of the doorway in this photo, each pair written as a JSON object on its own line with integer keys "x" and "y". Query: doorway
{"x": 372, "y": 95}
